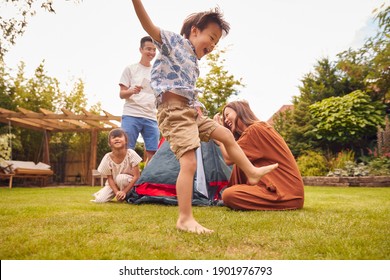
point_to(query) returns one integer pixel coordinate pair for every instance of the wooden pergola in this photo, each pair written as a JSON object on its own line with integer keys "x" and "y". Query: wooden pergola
{"x": 49, "y": 122}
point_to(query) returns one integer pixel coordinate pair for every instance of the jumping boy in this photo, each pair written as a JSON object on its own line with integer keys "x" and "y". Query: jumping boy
{"x": 173, "y": 79}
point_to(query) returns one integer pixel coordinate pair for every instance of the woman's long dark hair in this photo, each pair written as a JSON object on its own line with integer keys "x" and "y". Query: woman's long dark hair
{"x": 244, "y": 114}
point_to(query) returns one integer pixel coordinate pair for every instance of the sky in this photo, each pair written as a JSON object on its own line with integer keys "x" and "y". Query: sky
{"x": 272, "y": 44}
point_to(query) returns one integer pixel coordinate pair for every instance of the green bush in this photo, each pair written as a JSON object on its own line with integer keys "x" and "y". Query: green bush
{"x": 380, "y": 166}
{"x": 5, "y": 147}
{"x": 140, "y": 149}
{"x": 141, "y": 166}
{"x": 312, "y": 164}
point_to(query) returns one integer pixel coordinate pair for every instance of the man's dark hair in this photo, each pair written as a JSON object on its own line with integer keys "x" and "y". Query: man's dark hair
{"x": 144, "y": 40}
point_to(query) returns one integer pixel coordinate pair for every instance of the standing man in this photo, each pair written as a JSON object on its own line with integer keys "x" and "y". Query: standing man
{"x": 139, "y": 110}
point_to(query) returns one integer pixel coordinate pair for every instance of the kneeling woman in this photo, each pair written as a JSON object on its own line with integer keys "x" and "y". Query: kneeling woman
{"x": 282, "y": 189}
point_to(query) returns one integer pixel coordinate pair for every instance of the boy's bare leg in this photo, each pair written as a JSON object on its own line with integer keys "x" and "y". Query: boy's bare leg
{"x": 186, "y": 221}
{"x": 237, "y": 156}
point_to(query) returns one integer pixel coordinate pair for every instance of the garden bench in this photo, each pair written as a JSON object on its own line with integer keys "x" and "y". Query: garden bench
{"x": 25, "y": 169}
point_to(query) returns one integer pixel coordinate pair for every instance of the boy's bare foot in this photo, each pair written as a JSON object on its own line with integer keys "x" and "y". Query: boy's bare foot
{"x": 260, "y": 172}
{"x": 192, "y": 226}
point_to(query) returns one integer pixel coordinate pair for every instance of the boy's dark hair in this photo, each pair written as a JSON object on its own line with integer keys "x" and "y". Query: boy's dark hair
{"x": 202, "y": 19}
{"x": 144, "y": 40}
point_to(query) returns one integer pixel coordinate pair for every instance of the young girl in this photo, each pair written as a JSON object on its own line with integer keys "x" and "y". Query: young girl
{"x": 173, "y": 79}
{"x": 120, "y": 166}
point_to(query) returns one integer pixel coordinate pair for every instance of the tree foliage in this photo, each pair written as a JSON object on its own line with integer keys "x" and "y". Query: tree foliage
{"x": 39, "y": 91}
{"x": 322, "y": 83}
{"x": 369, "y": 66}
{"x": 218, "y": 85}
{"x": 43, "y": 91}
{"x": 5, "y": 95}
{"x": 299, "y": 134}
{"x": 347, "y": 119}
{"x": 365, "y": 72}
{"x": 76, "y": 99}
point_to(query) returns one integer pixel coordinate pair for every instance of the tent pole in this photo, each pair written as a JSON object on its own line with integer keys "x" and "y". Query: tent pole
{"x": 92, "y": 159}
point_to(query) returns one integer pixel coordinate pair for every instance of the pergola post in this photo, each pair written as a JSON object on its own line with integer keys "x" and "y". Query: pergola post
{"x": 46, "y": 151}
{"x": 92, "y": 159}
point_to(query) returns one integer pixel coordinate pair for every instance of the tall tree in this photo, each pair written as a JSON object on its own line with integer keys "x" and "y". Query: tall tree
{"x": 298, "y": 131}
{"x": 369, "y": 66}
{"x": 366, "y": 70}
{"x": 218, "y": 85}
{"x": 6, "y": 100}
{"x": 42, "y": 91}
{"x": 39, "y": 91}
{"x": 76, "y": 99}
{"x": 325, "y": 81}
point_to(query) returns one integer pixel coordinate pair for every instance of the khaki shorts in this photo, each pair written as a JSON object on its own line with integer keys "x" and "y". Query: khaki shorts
{"x": 182, "y": 127}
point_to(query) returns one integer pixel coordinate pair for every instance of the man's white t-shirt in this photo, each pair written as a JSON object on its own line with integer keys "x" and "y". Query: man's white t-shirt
{"x": 141, "y": 104}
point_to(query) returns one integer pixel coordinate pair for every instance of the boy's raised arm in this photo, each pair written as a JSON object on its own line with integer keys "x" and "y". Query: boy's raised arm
{"x": 146, "y": 22}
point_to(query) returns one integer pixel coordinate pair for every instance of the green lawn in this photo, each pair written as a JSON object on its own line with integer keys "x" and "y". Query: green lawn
{"x": 56, "y": 223}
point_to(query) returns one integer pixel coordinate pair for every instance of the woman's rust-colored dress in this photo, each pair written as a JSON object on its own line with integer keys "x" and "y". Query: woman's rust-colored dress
{"x": 282, "y": 189}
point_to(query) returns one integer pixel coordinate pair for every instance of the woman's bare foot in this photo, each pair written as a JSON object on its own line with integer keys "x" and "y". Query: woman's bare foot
{"x": 260, "y": 172}
{"x": 192, "y": 226}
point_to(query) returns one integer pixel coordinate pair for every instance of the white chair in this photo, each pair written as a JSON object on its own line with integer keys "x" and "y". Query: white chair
{"x": 96, "y": 175}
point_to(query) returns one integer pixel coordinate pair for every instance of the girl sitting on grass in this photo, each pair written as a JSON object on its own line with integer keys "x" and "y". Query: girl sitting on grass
{"x": 120, "y": 166}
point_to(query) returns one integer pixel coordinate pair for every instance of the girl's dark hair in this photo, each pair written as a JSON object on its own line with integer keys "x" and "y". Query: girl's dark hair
{"x": 202, "y": 19}
{"x": 117, "y": 132}
{"x": 244, "y": 115}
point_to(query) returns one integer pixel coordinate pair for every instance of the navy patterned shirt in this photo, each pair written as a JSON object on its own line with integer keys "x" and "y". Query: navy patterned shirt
{"x": 176, "y": 67}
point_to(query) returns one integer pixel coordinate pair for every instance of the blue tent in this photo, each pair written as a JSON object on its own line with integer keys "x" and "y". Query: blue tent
{"x": 157, "y": 183}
